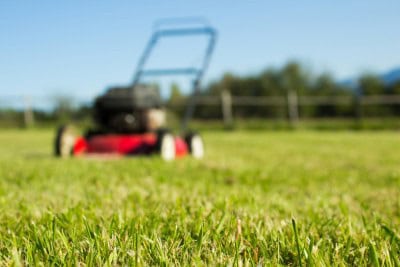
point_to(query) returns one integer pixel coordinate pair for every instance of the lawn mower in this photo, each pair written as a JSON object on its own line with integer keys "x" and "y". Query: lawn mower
{"x": 131, "y": 120}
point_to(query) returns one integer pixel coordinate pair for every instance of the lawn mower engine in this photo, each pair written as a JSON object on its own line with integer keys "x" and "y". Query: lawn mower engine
{"x": 130, "y": 110}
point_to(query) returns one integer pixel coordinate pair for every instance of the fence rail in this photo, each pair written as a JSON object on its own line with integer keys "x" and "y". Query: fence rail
{"x": 302, "y": 100}
{"x": 21, "y": 101}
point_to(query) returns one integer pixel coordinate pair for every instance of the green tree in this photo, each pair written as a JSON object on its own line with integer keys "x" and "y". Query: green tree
{"x": 177, "y": 101}
{"x": 371, "y": 85}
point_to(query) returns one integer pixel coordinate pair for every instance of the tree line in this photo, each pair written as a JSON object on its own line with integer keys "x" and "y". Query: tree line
{"x": 293, "y": 76}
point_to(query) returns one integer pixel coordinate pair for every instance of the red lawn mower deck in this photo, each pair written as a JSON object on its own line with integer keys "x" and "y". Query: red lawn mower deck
{"x": 163, "y": 143}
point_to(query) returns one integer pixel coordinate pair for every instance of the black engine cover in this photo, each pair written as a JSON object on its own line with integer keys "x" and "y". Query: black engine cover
{"x": 121, "y": 109}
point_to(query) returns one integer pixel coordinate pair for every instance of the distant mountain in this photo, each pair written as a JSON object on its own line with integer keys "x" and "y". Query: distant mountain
{"x": 388, "y": 78}
{"x": 391, "y": 77}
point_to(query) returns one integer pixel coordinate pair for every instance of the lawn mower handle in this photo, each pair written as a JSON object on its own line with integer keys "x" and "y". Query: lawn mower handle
{"x": 198, "y": 73}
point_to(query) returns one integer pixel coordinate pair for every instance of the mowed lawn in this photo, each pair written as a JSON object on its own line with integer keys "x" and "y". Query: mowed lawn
{"x": 268, "y": 198}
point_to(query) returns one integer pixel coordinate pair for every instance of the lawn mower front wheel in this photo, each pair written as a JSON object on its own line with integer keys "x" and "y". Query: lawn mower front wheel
{"x": 64, "y": 142}
{"x": 166, "y": 145}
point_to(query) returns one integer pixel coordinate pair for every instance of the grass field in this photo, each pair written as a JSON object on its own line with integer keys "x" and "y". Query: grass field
{"x": 290, "y": 198}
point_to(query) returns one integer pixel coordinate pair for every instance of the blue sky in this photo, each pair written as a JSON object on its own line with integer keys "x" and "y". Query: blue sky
{"x": 81, "y": 47}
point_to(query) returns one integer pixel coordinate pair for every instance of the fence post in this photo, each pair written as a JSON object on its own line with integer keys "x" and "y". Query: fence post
{"x": 358, "y": 112}
{"x": 226, "y": 100}
{"x": 28, "y": 113}
{"x": 293, "y": 107}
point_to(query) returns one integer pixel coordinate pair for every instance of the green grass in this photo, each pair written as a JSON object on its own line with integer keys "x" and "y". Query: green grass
{"x": 268, "y": 198}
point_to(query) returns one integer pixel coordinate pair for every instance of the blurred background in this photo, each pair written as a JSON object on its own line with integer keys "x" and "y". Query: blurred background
{"x": 277, "y": 65}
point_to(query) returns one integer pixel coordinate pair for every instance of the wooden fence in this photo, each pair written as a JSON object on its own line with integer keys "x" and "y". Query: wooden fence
{"x": 292, "y": 102}
{"x": 227, "y": 102}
